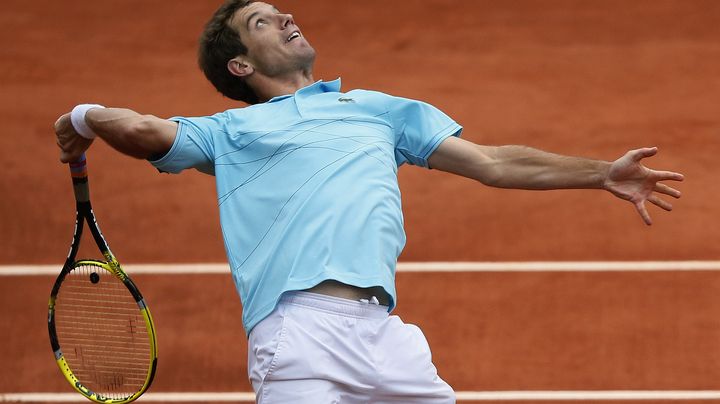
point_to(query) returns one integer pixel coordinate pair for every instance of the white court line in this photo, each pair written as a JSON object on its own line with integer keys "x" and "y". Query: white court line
{"x": 609, "y": 395}
{"x": 598, "y": 395}
{"x": 510, "y": 266}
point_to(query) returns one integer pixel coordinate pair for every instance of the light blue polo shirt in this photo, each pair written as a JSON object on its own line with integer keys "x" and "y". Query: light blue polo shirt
{"x": 307, "y": 186}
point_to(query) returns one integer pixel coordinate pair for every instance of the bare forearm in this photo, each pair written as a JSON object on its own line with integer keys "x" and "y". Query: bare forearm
{"x": 519, "y": 167}
{"x": 523, "y": 167}
{"x": 140, "y": 136}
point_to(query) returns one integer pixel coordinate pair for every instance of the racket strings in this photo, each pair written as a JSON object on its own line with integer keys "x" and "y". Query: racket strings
{"x": 102, "y": 332}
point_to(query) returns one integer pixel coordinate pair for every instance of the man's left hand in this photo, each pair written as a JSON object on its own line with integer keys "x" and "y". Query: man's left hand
{"x": 628, "y": 179}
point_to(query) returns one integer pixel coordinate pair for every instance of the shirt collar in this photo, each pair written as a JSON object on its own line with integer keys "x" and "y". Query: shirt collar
{"x": 318, "y": 87}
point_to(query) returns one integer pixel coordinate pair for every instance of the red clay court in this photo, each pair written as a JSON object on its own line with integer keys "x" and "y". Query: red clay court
{"x": 592, "y": 78}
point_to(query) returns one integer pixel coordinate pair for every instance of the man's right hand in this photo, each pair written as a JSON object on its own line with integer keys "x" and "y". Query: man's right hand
{"x": 71, "y": 144}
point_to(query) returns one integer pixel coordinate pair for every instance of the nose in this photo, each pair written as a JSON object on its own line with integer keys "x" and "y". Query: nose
{"x": 286, "y": 20}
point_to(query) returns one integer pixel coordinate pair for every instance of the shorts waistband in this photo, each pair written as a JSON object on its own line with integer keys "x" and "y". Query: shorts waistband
{"x": 335, "y": 305}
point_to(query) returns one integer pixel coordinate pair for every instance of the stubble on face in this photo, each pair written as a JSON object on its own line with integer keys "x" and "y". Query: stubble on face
{"x": 265, "y": 31}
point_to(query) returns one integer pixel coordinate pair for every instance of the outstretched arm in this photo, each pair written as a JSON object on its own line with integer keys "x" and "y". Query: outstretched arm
{"x": 521, "y": 167}
{"x": 140, "y": 136}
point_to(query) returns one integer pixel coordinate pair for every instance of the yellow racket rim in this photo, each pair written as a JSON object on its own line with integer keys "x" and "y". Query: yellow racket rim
{"x": 114, "y": 269}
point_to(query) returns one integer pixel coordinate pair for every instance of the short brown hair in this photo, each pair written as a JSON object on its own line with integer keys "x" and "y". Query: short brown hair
{"x": 219, "y": 43}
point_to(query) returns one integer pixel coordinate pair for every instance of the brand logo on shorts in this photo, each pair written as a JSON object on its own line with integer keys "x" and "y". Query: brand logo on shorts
{"x": 341, "y": 99}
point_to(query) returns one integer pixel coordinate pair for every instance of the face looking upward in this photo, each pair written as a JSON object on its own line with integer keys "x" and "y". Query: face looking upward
{"x": 276, "y": 47}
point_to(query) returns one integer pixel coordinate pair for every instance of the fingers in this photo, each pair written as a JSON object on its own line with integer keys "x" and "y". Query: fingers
{"x": 65, "y": 157}
{"x": 654, "y": 199}
{"x": 645, "y": 152}
{"x": 62, "y": 122}
{"x": 70, "y": 143}
{"x": 72, "y": 147}
{"x": 664, "y": 189}
{"x": 657, "y": 201}
{"x": 71, "y": 155}
{"x": 667, "y": 176}
{"x": 640, "y": 206}
{"x": 67, "y": 154}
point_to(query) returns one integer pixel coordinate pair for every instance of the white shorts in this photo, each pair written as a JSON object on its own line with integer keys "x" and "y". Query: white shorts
{"x": 320, "y": 349}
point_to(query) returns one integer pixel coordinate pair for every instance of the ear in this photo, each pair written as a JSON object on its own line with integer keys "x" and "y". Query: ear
{"x": 239, "y": 67}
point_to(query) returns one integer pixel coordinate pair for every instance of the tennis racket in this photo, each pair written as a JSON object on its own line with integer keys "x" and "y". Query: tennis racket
{"x": 100, "y": 328}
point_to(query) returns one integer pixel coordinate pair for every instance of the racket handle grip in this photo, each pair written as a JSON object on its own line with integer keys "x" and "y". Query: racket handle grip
{"x": 78, "y": 172}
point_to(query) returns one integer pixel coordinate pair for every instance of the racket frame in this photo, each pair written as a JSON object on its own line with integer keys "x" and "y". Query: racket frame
{"x": 84, "y": 213}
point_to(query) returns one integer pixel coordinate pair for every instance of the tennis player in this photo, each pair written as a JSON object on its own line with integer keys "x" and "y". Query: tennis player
{"x": 310, "y": 207}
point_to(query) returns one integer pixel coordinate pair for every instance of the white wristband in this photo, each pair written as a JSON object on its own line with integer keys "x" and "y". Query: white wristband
{"x": 77, "y": 118}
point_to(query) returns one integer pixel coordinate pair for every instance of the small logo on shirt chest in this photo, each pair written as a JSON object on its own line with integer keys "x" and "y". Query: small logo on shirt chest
{"x": 350, "y": 100}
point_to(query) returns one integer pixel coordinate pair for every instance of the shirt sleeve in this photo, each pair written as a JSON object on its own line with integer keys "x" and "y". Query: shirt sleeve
{"x": 193, "y": 146}
{"x": 419, "y": 130}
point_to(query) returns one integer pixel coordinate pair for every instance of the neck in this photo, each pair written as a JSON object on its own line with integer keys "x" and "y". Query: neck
{"x": 267, "y": 87}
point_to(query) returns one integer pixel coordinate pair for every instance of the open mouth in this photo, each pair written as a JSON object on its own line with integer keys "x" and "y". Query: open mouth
{"x": 294, "y": 35}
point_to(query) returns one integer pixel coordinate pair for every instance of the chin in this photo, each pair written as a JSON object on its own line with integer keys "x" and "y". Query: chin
{"x": 307, "y": 58}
